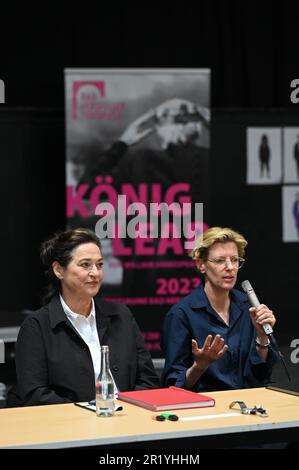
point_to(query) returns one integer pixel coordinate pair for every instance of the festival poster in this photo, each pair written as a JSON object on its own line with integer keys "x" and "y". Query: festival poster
{"x": 137, "y": 169}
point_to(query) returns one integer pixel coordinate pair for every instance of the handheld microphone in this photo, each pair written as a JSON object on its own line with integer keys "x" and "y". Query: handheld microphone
{"x": 254, "y": 302}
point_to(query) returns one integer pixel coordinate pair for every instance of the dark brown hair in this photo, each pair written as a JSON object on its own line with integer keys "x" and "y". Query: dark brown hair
{"x": 60, "y": 248}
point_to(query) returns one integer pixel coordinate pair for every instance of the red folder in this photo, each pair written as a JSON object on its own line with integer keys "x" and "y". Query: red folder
{"x": 171, "y": 398}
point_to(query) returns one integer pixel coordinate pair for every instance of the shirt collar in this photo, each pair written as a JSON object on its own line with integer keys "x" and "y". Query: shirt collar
{"x": 75, "y": 317}
{"x": 103, "y": 311}
{"x": 199, "y": 298}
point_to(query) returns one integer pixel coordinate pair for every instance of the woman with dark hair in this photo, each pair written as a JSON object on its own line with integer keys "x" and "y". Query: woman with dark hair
{"x": 58, "y": 347}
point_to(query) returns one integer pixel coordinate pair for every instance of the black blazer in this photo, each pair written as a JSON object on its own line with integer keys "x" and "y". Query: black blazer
{"x": 53, "y": 362}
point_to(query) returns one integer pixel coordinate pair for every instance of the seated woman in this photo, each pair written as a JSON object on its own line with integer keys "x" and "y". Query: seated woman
{"x": 212, "y": 340}
{"x": 58, "y": 347}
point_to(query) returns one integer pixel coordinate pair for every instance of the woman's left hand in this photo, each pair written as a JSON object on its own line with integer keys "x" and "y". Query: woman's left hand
{"x": 259, "y": 316}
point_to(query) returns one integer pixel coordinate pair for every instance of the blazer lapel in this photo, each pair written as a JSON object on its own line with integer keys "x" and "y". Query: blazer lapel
{"x": 102, "y": 322}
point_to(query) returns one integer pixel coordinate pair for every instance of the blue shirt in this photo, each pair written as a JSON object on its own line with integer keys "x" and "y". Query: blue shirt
{"x": 194, "y": 318}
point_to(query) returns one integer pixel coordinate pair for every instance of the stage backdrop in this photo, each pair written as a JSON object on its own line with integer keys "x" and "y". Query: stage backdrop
{"x": 136, "y": 139}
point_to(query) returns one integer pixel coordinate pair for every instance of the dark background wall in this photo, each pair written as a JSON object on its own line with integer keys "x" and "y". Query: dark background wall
{"x": 251, "y": 48}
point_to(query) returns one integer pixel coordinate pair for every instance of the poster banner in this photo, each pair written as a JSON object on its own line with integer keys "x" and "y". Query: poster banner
{"x": 264, "y": 155}
{"x": 291, "y": 154}
{"x": 137, "y": 170}
{"x": 290, "y": 213}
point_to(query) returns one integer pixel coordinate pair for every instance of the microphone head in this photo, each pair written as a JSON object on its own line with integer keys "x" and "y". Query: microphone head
{"x": 246, "y": 286}
{"x": 253, "y": 300}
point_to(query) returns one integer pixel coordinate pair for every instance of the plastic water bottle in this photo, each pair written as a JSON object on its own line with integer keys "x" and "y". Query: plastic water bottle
{"x": 105, "y": 387}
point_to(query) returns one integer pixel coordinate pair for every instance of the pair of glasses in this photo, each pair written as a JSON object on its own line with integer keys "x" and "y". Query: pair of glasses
{"x": 236, "y": 261}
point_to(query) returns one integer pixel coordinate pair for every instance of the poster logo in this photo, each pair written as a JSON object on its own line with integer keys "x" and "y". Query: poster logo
{"x": 2, "y": 92}
{"x": 98, "y": 90}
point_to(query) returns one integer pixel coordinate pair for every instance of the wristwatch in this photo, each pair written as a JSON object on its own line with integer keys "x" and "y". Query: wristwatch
{"x": 260, "y": 345}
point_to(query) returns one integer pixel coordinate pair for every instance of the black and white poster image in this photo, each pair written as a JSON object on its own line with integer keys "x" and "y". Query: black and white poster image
{"x": 264, "y": 155}
{"x": 290, "y": 213}
{"x": 291, "y": 154}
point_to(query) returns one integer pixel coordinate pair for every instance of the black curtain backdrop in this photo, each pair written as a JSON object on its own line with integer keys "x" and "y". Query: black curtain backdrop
{"x": 32, "y": 199}
{"x": 251, "y": 48}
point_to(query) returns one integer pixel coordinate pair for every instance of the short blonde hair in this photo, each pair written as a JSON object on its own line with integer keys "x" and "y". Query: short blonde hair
{"x": 217, "y": 235}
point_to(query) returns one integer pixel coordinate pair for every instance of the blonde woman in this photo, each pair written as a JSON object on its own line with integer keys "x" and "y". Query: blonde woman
{"x": 212, "y": 340}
